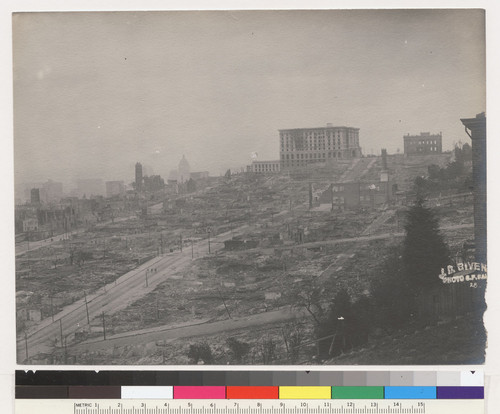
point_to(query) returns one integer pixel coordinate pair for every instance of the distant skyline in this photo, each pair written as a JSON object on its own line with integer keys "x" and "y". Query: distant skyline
{"x": 96, "y": 92}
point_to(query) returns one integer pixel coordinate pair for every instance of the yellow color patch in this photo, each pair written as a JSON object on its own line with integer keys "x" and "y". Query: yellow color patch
{"x": 306, "y": 393}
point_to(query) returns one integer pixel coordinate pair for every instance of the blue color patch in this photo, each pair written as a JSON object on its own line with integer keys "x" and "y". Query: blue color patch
{"x": 415, "y": 393}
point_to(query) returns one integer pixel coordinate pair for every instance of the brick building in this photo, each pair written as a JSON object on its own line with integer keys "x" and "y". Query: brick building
{"x": 423, "y": 144}
{"x": 303, "y": 146}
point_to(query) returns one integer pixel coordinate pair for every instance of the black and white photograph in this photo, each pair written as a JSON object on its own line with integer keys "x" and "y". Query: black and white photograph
{"x": 244, "y": 187}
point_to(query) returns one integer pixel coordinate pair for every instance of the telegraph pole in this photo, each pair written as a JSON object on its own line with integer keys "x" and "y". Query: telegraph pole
{"x": 87, "y": 307}
{"x": 192, "y": 249}
{"x": 103, "y": 326}
{"x": 26, "y": 343}
{"x": 209, "y": 242}
{"x": 224, "y": 302}
{"x": 60, "y": 326}
{"x": 52, "y": 308}
{"x": 180, "y": 241}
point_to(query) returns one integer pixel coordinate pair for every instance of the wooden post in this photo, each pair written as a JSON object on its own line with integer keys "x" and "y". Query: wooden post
{"x": 87, "y": 307}
{"x": 224, "y": 302}
{"x": 26, "y": 343}
{"x": 52, "y": 308}
{"x": 60, "y": 326}
{"x": 104, "y": 326}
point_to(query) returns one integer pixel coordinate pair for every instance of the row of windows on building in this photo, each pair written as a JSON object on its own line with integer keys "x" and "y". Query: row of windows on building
{"x": 313, "y": 147}
{"x": 315, "y": 156}
{"x": 425, "y": 149}
{"x": 274, "y": 167}
{"x": 332, "y": 134}
{"x": 424, "y": 142}
{"x": 309, "y": 143}
{"x": 301, "y": 163}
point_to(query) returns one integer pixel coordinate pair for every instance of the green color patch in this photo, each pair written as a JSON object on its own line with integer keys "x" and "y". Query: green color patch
{"x": 348, "y": 393}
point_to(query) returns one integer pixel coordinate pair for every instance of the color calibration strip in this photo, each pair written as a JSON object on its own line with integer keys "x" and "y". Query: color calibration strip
{"x": 249, "y": 392}
{"x": 253, "y": 378}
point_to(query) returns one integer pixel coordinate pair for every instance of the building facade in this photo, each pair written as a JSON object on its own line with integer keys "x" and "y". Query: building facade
{"x": 265, "y": 167}
{"x": 355, "y": 195}
{"x": 303, "y": 146}
{"x": 30, "y": 224}
{"x": 423, "y": 144}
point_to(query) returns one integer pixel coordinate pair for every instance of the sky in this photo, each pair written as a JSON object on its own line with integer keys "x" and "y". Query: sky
{"x": 94, "y": 93}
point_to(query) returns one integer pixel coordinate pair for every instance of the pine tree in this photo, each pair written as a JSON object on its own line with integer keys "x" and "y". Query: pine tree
{"x": 424, "y": 249}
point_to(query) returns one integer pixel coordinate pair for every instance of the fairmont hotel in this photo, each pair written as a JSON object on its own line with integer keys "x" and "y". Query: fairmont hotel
{"x": 302, "y": 146}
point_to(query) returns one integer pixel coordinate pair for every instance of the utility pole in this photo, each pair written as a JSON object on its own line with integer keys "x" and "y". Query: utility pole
{"x": 209, "y": 242}
{"x": 180, "y": 241}
{"x": 26, "y": 343}
{"x": 192, "y": 249}
{"x": 52, "y": 308}
{"x": 147, "y": 284}
{"x": 66, "y": 349}
{"x": 224, "y": 302}
{"x": 87, "y": 307}
{"x": 104, "y": 326}
{"x": 60, "y": 326}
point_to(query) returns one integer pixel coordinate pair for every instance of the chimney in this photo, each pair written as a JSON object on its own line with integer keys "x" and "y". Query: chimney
{"x": 384, "y": 159}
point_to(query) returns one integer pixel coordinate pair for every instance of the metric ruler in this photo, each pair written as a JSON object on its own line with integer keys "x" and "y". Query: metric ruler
{"x": 124, "y": 406}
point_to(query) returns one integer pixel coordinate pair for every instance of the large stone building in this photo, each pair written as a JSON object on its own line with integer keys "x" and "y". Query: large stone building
{"x": 265, "y": 167}
{"x": 302, "y": 146}
{"x": 423, "y": 144}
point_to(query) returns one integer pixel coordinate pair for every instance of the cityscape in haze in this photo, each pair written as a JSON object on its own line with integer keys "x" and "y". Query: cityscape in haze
{"x": 250, "y": 187}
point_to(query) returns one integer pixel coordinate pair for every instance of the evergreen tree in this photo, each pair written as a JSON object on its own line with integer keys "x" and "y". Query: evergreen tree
{"x": 424, "y": 249}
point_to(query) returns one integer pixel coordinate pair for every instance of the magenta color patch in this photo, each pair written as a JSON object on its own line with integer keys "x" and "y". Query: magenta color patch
{"x": 201, "y": 392}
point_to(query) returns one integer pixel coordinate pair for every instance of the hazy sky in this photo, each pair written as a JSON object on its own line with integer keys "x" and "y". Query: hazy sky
{"x": 96, "y": 92}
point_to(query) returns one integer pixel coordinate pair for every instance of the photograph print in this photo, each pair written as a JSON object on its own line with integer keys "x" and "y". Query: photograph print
{"x": 285, "y": 187}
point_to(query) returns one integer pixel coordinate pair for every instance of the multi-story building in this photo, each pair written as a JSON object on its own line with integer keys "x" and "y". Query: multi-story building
{"x": 302, "y": 146}
{"x": 30, "y": 224}
{"x": 423, "y": 144}
{"x": 265, "y": 166}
